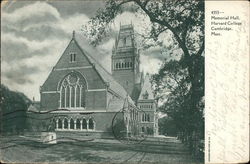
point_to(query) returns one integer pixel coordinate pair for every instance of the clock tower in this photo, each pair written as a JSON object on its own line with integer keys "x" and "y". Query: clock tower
{"x": 126, "y": 60}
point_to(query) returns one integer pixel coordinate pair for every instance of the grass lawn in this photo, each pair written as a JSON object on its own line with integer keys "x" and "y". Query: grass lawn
{"x": 19, "y": 149}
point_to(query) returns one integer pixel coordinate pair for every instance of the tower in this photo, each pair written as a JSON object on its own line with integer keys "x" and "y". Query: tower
{"x": 126, "y": 60}
{"x": 147, "y": 105}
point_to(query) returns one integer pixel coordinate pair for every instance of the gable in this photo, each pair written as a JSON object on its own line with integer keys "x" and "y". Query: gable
{"x": 65, "y": 59}
{"x": 82, "y": 65}
{"x": 97, "y": 77}
{"x": 93, "y": 56}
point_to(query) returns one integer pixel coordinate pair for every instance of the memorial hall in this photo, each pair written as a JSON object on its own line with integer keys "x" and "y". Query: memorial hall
{"x": 82, "y": 96}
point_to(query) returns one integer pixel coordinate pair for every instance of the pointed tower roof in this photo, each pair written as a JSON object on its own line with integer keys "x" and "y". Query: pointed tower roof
{"x": 93, "y": 55}
{"x": 147, "y": 91}
{"x": 125, "y": 40}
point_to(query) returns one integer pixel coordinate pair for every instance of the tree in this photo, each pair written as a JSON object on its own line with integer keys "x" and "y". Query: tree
{"x": 184, "y": 20}
{"x": 167, "y": 126}
{"x": 13, "y": 110}
{"x": 172, "y": 87}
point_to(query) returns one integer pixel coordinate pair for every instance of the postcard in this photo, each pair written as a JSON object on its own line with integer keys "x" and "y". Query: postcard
{"x": 124, "y": 81}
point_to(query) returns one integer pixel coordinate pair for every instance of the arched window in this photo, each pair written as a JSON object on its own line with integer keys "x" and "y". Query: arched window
{"x": 71, "y": 123}
{"x": 72, "y": 91}
{"x": 65, "y": 123}
{"x": 91, "y": 124}
{"x": 72, "y": 57}
{"x": 125, "y": 64}
{"x": 78, "y": 124}
{"x": 131, "y": 64}
{"x": 134, "y": 114}
{"x": 148, "y": 117}
{"x": 148, "y": 130}
{"x": 53, "y": 125}
{"x": 116, "y": 65}
{"x": 122, "y": 65}
{"x": 124, "y": 41}
{"x": 84, "y": 124}
{"x": 62, "y": 93}
{"x": 73, "y": 96}
{"x": 59, "y": 123}
{"x": 77, "y": 91}
{"x": 119, "y": 65}
{"x": 143, "y": 129}
{"x": 67, "y": 95}
{"x": 143, "y": 117}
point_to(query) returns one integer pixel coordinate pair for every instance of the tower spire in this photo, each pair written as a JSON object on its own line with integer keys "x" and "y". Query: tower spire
{"x": 73, "y": 34}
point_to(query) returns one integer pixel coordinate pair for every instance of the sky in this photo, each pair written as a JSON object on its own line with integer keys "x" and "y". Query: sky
{"x": 34, "y": 35}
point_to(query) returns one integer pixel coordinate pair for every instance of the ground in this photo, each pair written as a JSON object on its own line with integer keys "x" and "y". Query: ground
{"x": 167, "y": 150}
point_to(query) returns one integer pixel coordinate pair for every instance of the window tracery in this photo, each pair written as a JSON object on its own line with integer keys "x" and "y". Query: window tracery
{"x": 72, "y": 91}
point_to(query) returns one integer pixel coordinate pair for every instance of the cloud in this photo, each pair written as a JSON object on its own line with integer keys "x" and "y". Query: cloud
{"x": 12, "y": 52}
{"x": 33, "y": 38}
{"x": 154, "y": 52}
{"x": 140, "y": 22}
{"x": 150, "y": 65}
{"x": 32, "y": 45}
{"x": 30, "y": 12}
{"x": 74, "y": 22}
{"x": 20, "y": 74}
{"x": 23, "y": 78}
{"x": 42, "y": 24}
{"x": 87, "y": 7}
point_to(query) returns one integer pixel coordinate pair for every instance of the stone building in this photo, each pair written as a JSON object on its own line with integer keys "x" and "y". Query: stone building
{"x": 82, "y": 96}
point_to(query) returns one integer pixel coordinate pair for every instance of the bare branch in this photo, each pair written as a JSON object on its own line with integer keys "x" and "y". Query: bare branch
{"x": 123, "y": 2}
{"x": 154, "y": 19}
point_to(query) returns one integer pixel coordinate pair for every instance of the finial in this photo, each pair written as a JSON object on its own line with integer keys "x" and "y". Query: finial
{"x": 73, "y": 34}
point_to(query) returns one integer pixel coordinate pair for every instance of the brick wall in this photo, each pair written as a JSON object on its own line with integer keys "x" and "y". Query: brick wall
{"x": 124, "y": 76}
{"x": 94, "y": 99}
{"x": 103, "y": 120}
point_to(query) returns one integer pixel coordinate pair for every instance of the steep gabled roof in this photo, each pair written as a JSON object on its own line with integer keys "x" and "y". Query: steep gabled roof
{"x": 147, "y": 89}
{"x": 93, "y": 55}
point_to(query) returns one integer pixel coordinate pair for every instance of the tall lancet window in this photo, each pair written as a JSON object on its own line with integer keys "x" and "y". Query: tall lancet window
{"x": 72, "y": 91}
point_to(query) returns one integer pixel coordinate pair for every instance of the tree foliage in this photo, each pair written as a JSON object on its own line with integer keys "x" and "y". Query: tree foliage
{"x": 173, "y": 87}
{"x": 13, "y": 110}
{"x": 180, "y": 82}
{"x": 167, "y": 127}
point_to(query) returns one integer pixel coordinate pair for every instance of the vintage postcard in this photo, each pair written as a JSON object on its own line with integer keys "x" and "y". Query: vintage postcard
{"x": 124, "y": 81}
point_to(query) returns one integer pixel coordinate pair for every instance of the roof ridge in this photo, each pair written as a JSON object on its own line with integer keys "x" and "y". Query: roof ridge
{"x": 95, "y": 62}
